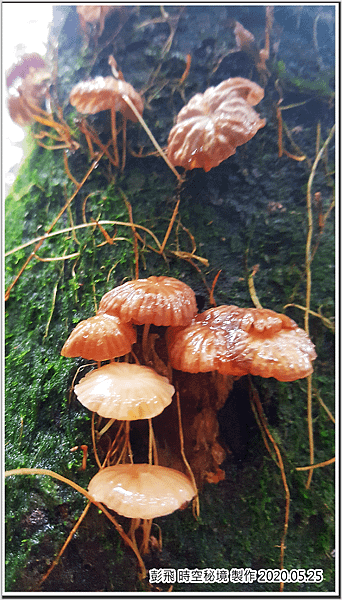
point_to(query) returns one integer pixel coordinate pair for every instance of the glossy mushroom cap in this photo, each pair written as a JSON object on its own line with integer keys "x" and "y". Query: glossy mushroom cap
{"x": 101, "y": 337}
{"x": 125, "y": 392}
{"x": 141, "y": 491}
{"x": 158, "y": 300}
{"x": 104, "y": 93}
{"x": 211, "y": 126}
{"x": 237, "y": 341}
{"x": 205, "y": 345}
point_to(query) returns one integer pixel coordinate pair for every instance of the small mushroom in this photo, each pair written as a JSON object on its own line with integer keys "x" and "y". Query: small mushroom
{"x": 211, "y": 126}
{"x": 27, "y": 82}
{"x": 94, "y": 16}
{"x": 107, "y": 93}
{"x": 126, "y": 392}
{"x": 156, "y": 300}
{"x": 141, "y": 492}
{"x": 101, "y": 337}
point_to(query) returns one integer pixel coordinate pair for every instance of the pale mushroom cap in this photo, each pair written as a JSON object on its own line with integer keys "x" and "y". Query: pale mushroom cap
{"x": 125, "y": 392}
{"x": 141, "y": 491}
{"x": 101, "y": 337}
{"x": 211, "y": 126}
{"x": 104, "y": 93}
{"x": 158, "y": 300}
{"x": 237, "y": 341}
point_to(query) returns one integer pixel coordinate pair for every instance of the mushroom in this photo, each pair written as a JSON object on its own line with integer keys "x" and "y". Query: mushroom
{"x": 141, "y": 492}
{"x": 237, "y": 341}
{"x": 126, "y": 392}
{"x": 206, "y": 345}
{"x": 95, "y": 16}
{"x": 27, "y": 82}
{"x": 230, "y": 342}
{"x": 22, "y": 68}
{"x": 211, "y": 126}
{"x": 101, "y": 337}
{"x": 107, "y": 93}
{"x": 156, "y": 300}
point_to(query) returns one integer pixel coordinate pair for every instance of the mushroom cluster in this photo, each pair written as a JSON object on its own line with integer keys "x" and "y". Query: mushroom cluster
{"x": 166, "y": 343}
{"x": 124, "y": 391}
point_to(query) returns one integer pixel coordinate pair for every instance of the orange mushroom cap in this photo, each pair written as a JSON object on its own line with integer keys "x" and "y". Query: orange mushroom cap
{"x": 158, "y": 300}
{"x": 104, "y": 93}
{"x": 141, "y": 491}
{"x": 237, "y": 341}
{"x": 101, "y": 337}
{"x": 211, "y": 126}
{"x": 204, "y": 346}
{"x": 125, "y": 392}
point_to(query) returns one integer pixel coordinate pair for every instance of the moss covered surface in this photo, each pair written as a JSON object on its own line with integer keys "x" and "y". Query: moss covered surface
{"x": 250, "y": 209}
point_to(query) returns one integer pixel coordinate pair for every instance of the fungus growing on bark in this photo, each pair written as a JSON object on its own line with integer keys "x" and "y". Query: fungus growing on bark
{"x": 107, "y": 93}
{"x": 125, "y": 392}
{"x": 101, "y": 337}
{"x": 237, "y": 341}
{"x": 141, "y": 492}
{"x": 211, "y": 126}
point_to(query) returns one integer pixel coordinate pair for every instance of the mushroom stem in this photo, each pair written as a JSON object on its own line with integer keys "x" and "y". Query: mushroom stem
{"x": 150, "y": 434}
{"x": 146, "y": 527}
{"x": 152, "y": 458}
{"x": 144, "y": 342}
{"x": 114, "y": 445}
{"x": 93, "y": 440}
{"x": 126, "y": 449}
{"x": 114, "y": 137}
